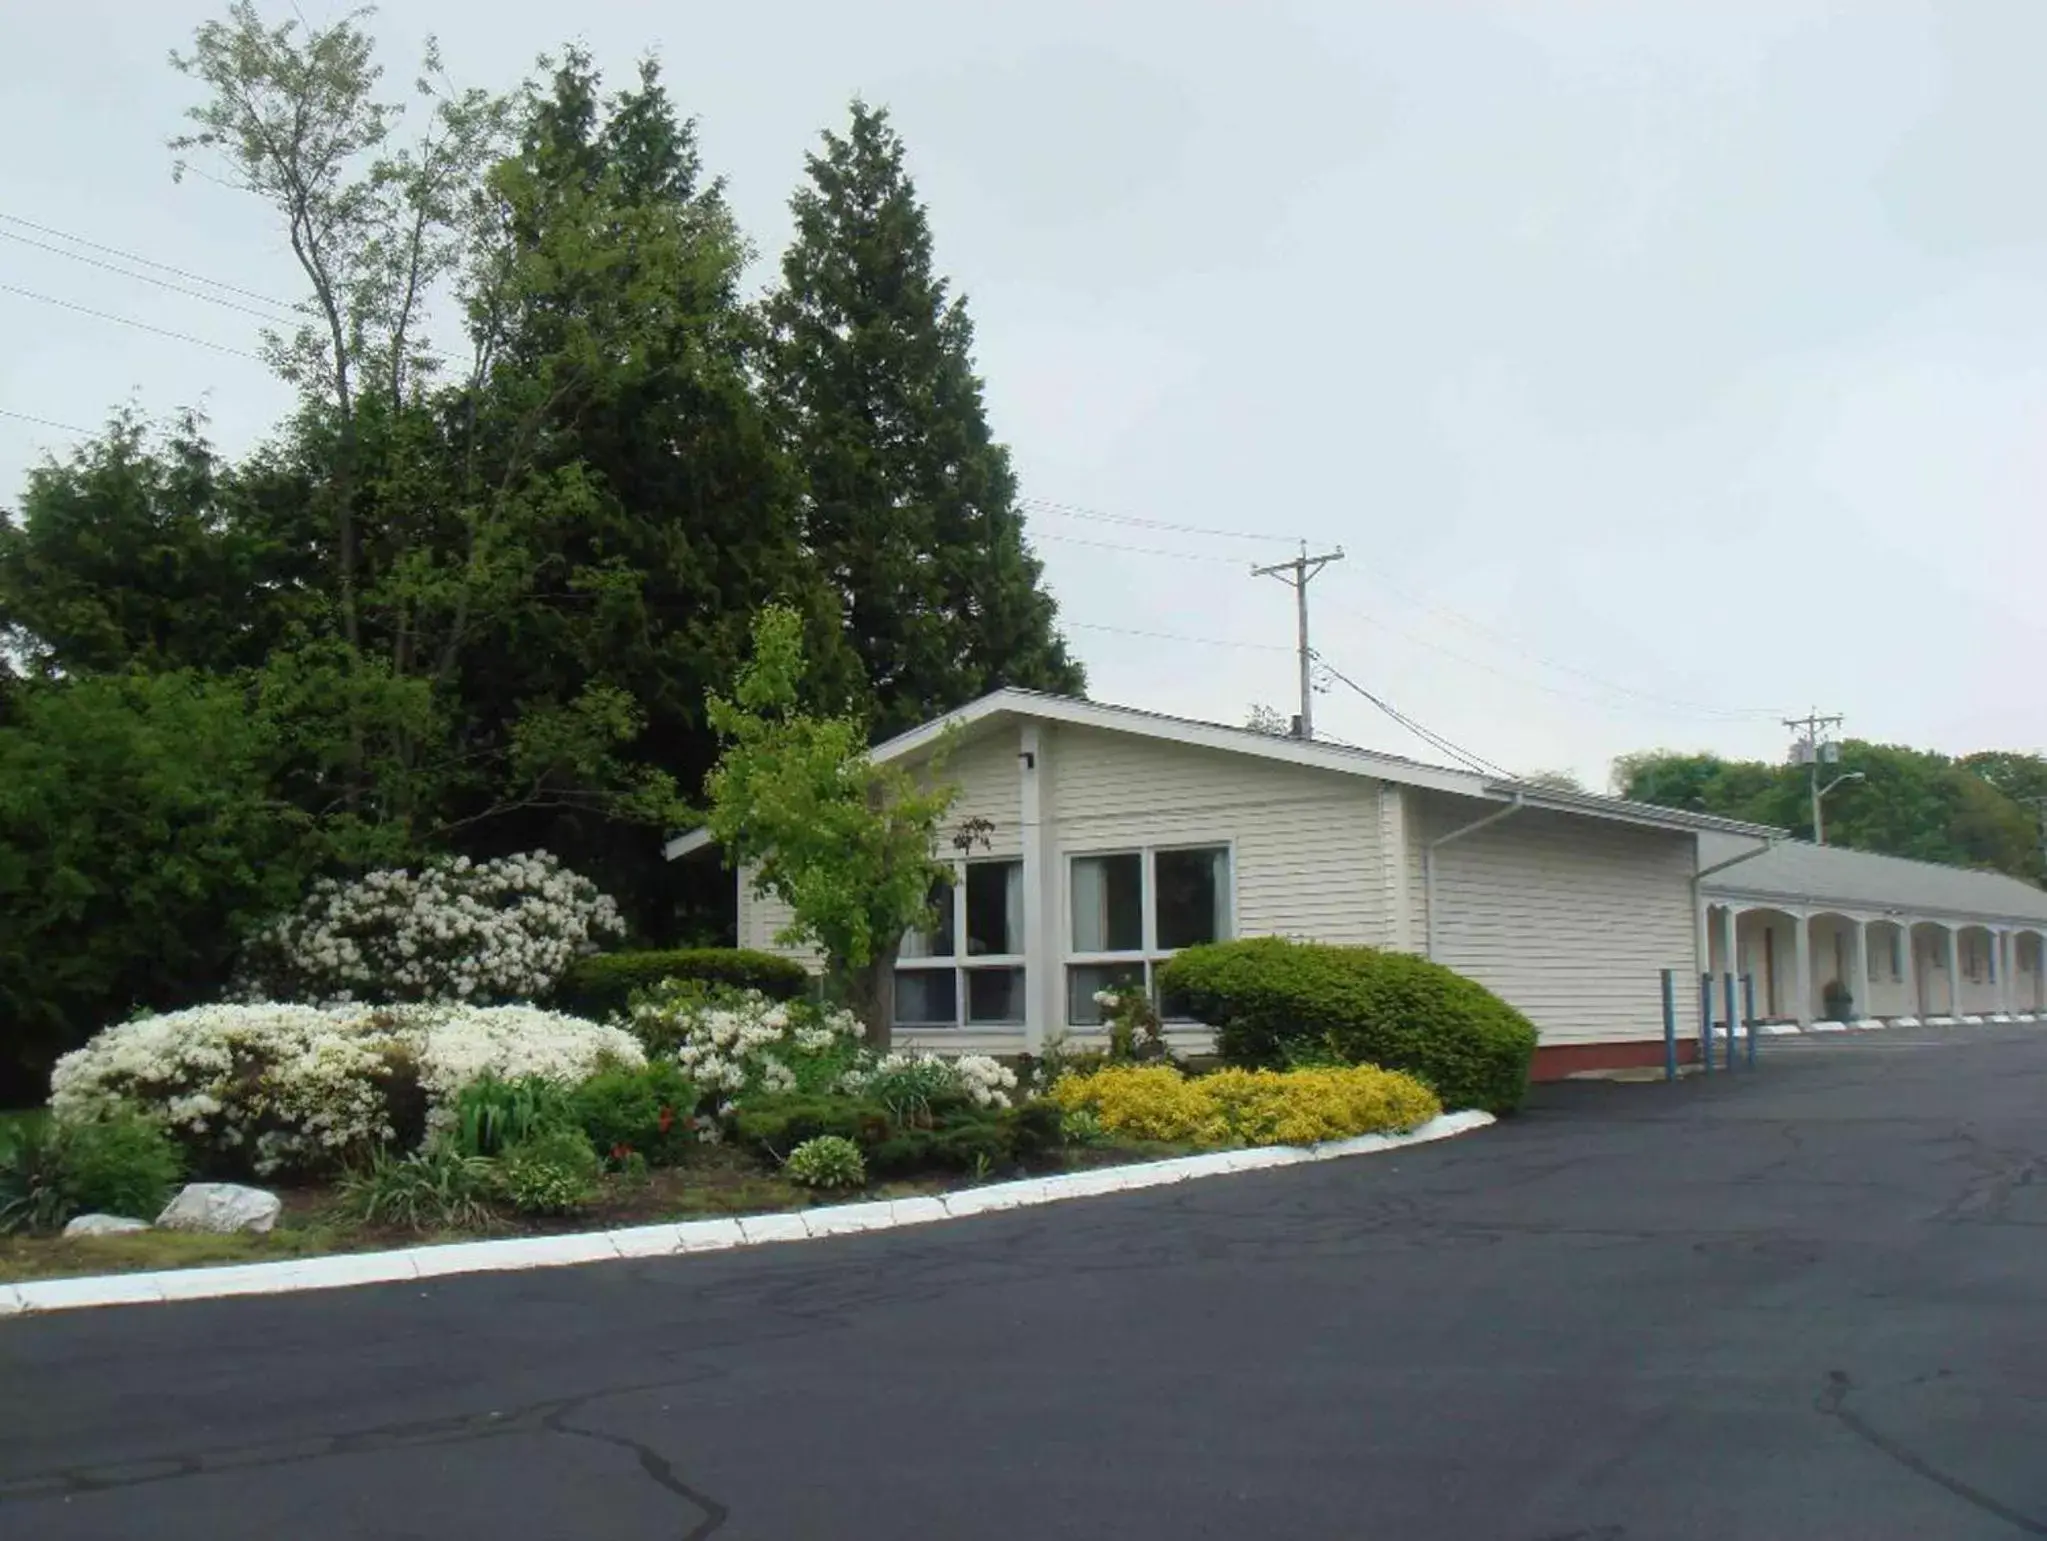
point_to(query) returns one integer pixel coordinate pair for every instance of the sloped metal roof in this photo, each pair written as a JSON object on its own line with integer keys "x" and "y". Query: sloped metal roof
{"x": 1800, "y": 872}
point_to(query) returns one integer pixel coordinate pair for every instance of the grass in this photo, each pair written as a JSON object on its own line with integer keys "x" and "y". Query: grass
{"x": 718, "y": 1181}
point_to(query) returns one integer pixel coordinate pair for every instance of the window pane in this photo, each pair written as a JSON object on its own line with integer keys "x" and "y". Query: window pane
{"x": 1193, "y": 897}
{"x": 995, "y": 908}
{"x": 927, "y": 997}
{"x": 995, "y": 995}
{"x": 937, "y": 942}
{"x": 1108, "y": 903}
{"x": 1083, "y": 979}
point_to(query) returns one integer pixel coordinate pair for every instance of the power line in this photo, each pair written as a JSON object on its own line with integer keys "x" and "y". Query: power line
{"x": 1174, "y": 636}
{"x": 148, "y": 278}
{"x": 1110, "y": 545}
{"x": 45, "y": 422}
{"x": 1076, "y": 511}
{"x": 1516, "y": 645}
{"x": 148, "y": 262}
{"x": 142, "y": 326}
{"x": 1436, "y": 740}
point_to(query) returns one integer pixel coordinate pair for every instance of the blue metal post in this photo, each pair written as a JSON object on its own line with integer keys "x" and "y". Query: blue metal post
{"x": 1748, "y": 1002}
{"x": 1733, "y": 1016}
{"x": 1706, "y": 1023}
{"x": 1670, "y": 1024}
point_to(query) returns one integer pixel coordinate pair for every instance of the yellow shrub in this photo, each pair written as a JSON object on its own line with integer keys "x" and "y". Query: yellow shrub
{"x": 1145, "y": 1102}
{"x": 1249, "y": 1107}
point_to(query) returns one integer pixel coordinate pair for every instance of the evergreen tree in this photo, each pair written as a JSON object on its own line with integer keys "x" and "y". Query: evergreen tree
{"x": 911, "y": 504}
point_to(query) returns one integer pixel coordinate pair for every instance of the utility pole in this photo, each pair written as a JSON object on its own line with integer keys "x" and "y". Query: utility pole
{"x": 1298, "y": 573}
{"x": 1812, "y": 751}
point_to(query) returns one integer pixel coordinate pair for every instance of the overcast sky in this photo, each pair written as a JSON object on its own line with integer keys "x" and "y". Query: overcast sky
{"x": 1662, "y": 367}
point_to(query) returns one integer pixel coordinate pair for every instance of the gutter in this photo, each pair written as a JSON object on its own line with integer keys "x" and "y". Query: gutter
{"x": 1429, "y": 864}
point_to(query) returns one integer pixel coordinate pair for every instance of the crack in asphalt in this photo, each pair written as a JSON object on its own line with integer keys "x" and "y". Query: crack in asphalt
{"x": 549, "y": 1416}
{"x": 657, "y": 1466}
{"x": 1832, "y": 1403}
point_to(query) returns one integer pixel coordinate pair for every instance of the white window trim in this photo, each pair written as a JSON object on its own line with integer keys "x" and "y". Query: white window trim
{"x": 960, "y": 962}
{"x": 1150, "y": 955}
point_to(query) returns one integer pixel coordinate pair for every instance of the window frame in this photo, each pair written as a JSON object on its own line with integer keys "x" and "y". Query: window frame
{"x": 961, "y": 962}
{"x": 1149, "y": 955}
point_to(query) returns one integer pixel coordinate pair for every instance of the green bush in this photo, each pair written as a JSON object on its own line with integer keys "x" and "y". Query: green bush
{"x": 645, "y": 1112}
{"x": 492, "y": 1114}
{"x": 827, "y": 1161}
{"x": 440, "y": 1188}
{"x": 602, "y": 985}
{"x": 1275, "y": 1003}
{"x": 554, "y": 1173}
{"x": 779, "y": 1124}
{"x": 50, "y": 1171}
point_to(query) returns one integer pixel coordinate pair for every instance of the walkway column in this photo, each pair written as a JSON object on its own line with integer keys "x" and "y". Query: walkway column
{"x": 1909, "y": 968}
{"x": 2006, "y": 955}
{"x": 1729, "y": 939}
{"x": 1801, "y": 968}
{"x": 1954, "y": 971}
{"x": 1858, "y": 972}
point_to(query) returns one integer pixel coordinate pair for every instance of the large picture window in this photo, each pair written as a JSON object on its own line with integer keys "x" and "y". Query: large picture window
{"x": 968, "y": 969}
{"x": 1128, "y": 911}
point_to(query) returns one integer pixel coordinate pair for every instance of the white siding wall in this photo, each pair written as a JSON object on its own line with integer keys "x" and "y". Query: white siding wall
{"x": 1572, "y": 920}
{"x": 1307, "y": 841}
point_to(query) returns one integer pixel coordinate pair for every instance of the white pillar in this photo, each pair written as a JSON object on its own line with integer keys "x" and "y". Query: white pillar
{"x": 1801, "y": 965}
{"x": 2005, "y": 997}
{"x": 1908, "y": 967}
{"x": 1954, "y": 971}
{"x": 1044, "y": 997}
{"x": 1858, "y": 972}
{"x": 1728, "y": 936}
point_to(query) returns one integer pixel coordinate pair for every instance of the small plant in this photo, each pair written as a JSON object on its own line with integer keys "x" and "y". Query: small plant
{"x": 32, "y": 1196}
{"x": 554, "y": 1173}
{"x": 491, "y": 1114}
{"x": 1839, "y": 1001}
{"x": 124, "y": 1165}
{"x": 440, "y": 1188}
{"x": 1083, "y": 1127}
{"x": 51, "y": 1170}
{"x": 1136, "y": 1035}
{"x": 911, "y": 1089}
{"x": 827, "y": 1161}
{"x": 646, "y": 1113}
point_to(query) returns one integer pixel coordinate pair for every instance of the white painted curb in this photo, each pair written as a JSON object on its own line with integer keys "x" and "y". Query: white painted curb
{"x": 35, "y": 1296}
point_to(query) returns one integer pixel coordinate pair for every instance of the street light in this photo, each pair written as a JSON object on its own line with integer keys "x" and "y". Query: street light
{"x": 1819, "y": 828}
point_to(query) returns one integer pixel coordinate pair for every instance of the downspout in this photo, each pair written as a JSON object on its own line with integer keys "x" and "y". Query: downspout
{"x": 1429, "y": 866}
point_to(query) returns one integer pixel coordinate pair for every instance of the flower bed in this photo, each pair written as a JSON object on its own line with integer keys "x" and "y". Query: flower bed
{"x": 267, "y": 1087}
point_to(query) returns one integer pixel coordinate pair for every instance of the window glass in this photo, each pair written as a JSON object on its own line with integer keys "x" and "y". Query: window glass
{"x": 995, "y": 908}
{"x": 1193, "y": 897}
{"x": 1108, "y": 903}
{"x": 995, "y": 995}
{"x": 1084, "y": 979}
{"x": 936, "y": 942}
{"x": 927, "y": 997}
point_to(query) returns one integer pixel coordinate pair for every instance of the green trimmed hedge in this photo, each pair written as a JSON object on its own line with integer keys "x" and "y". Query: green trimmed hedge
{"x": 957, "y": 1139}
{"x": 1274, "y": 1002}
{"x": 602, "y": 984}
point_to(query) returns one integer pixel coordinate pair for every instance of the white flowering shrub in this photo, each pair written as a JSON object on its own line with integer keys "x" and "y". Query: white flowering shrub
{"x": 267, "y": 1087}
{"x": 912, "y": 1085}
{"x": 456, "y": 930}
{"x": 733, "y": 1045}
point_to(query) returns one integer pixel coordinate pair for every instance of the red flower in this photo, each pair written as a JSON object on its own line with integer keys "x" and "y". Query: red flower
{"x": 667, "y": 1119}
{"x": 620, "y": 1151}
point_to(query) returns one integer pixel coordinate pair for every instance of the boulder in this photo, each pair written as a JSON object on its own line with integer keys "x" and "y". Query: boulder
{"x": 103, "y": 1225}
{"x": 221, "y": 1208}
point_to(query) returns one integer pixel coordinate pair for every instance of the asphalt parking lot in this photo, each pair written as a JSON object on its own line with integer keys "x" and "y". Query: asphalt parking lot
{"x": 1805, "y": 1301}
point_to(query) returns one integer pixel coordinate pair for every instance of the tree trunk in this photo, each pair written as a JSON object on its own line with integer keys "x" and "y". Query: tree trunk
{"x": 871, "y": 996}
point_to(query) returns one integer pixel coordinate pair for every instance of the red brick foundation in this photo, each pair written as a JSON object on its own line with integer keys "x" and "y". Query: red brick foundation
{"x": 1559, "y": 1061}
